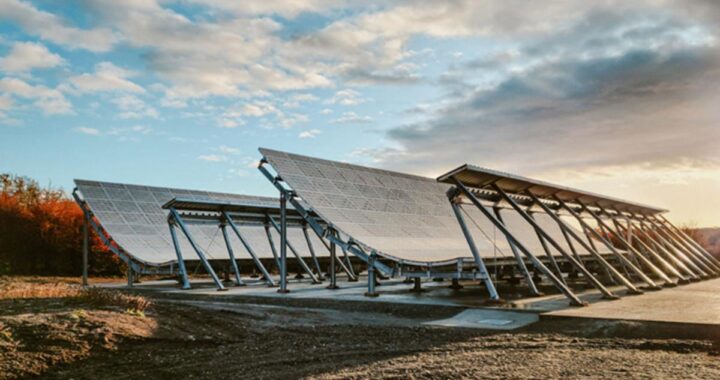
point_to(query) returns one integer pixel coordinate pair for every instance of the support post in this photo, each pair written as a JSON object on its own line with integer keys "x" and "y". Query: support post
{"x": 673, "y": 246}
{"x": 689, "y": 240}
{"x": 197, "y": 249}
{"x": 129, "y": 276}
{"x": 621, "y": 258}
{"x": 271, "y": 241}
{"x": 594, "y": 281}
{"x": 283, "y": 243}
{"x": 680, "y": 261}
{"x": 574, "y": 300}
{"x": 302, "y": 263}
{"x": 333, "y": 257}
{"x": 520, "y": 262}
{"x": 337, "y": 259}
{"x": 683, "y": 241}
{"x": 614, "y": 272}
{"x": 258, "y": 264}
{"x": 312, "y": 253}
{"x": 178, "y": 253}
{"x": 231, "y": 254}
{"x": 476, "y": 254}
{"x": 371, "y": 276}
{"x": 86, "y": 249}
{"x": 548, "y": 253}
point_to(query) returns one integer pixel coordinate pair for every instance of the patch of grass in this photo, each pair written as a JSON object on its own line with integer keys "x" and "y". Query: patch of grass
{"x": 106, "y": 297}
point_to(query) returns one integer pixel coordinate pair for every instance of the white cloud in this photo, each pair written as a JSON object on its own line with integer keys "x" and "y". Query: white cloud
{"x": 212, "y": 158}
{"x": 352, "y": 118}
{"x": 309, "y": 134}
{"x": 51, "y": 101}
{"x": 347, "y": 97}
{"x": 107, "y": 77}
{"x": 228, "y": 150}
{"x": 326, "y": 111}
{"x": 26, "y": 56}
{"x": 51, "y": 28}
{"x": 133, "y": 107}
{"x": 88, "y": 131}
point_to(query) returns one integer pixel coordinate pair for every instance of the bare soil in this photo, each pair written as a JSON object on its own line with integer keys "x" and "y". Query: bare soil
{"x": 83, "y": 337}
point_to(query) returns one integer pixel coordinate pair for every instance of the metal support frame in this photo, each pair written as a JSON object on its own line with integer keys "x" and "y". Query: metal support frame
{"x": 333, "y": 272}
{"x": 673, "y": 246}
{"x": 688, "y": 245}
{"x": 283, "y": 231}
{"x": 312, "y": 223}
{"x": 283, "y": 244}
{"x": 86, "y": 248}
{"x": 327, "y": 243}
{"x": 621, "y": 258}
{"x": 548, "y": 252}
{"x": 178, "y": 253}
{"x": 594, "y": 281}
{"x": 231, "y": 254}
{"x": 371, "y": 276}
{"x": 655, "y": 255}
{"x": 312, "y": 253}
{"x": 197, "y": 249}
{"x": 520, "y": 262}
{"x": 680, "y": 233}
{"x": 130, "y": 277}
{"x": 258, "y": 264}
{"x": 473, "y": 249}
{"x": 647, "y": 263}
{"x": 587, "y": 246}
{"x": 271, "y": 241}
{"x": 661, "y": 246}
{"x": 574, "y": 300}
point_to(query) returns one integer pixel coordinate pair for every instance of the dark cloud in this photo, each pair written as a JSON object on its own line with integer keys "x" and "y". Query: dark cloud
{"x": 614, "y": 89}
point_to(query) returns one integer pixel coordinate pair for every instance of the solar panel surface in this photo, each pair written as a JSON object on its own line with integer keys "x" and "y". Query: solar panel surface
{"x": 401, "y": 216}
{"x": 134, "y": 217}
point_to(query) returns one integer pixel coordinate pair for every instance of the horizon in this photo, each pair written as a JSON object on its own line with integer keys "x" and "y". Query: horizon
{"x": 617, "y": 98}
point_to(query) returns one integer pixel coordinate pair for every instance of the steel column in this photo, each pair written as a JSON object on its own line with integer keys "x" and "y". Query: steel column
{"x": 609, "y": 245}
{"x": 594, "y": 282}
{"x": 574, "y": 300}
{"x": 283, "y": 243}
{"x": 178, "y": 253}
{"x": 86, "y": 249}
{"x": 197, "y": 249}
{"x": 476, "y": 255}
{"x": 312, "y": 253}
{"x": 333, "y": 257}
{"x": 521, "y": 263}
{"x": 371, "y": 276}
{"x": 287, "y": 244}
{"x": 258, "y": 264}
{"x": 231, "y": 254}
{"x": 337, "y": 259}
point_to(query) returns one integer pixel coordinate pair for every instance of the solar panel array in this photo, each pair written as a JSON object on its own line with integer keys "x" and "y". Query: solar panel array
{"x": 399, "y": 215}
{"x": 134, "y": 217}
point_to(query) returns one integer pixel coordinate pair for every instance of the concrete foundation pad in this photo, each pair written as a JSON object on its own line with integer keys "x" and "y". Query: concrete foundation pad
{"x": 488, "y": 319}
{"x": 693, "y": 304}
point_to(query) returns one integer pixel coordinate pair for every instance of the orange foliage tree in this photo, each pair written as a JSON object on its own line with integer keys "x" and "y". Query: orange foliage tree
{"x": 41, "y": 232}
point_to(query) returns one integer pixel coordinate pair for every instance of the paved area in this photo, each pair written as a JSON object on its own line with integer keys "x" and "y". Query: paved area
{"x": 488, "y": 319}
{"x": 696, "y": 303}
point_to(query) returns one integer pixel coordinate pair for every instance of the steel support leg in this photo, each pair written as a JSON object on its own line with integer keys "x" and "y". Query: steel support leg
{"x": 699, "y": 258}
{"x": 574, "y": 300}
{"x": 231, "y": 254}
{"x": 295, "y": 253}
{"x": 197, "y": 249}
{"x": 520, "y": 262}
{"x": 661, "y": 245}
{"x": 283, "y": 243}
{"x": 623, "y": 259}
{"x": 591, "y": 249}
{"x": 476, "y": 255}
{"x": 681, "y": 234}
{"x": 595, "y": 283}
{"x": 333, "y": 257}
{"x": 549, "y": 254}
{"x": 178, "y": 253}
{"x": 86, "y": 249}
{"x": 371, "y": 276}
{"x": 647, "y": 263}
{"x": 312, "y": 253}
{"x": 258, "y": 264}
{"x": 673, "y": 246}
{"x": 337, "y": 259}
{"x": 271, "y": 241}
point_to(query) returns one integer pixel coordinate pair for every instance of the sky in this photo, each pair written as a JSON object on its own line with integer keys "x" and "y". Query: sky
{"x": 616, "y": 97}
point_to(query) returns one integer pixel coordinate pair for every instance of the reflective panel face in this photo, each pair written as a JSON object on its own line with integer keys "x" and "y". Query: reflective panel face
{"x": 134, "y": 218}
{"x": 400, "y": 216}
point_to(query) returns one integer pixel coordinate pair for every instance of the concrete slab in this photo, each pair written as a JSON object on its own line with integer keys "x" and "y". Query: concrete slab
{"x": 488, "y": 319}
{"x": 693, "y": 304}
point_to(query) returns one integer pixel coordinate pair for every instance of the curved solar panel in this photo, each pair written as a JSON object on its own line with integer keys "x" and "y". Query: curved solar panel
{"x": 134, "y": 217}
{"x": 401, "y": 216}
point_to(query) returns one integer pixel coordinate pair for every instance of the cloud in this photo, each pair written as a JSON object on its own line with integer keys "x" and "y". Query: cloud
{"x": 51, "y": 101}
{"x": 88, "y": 131}
{"x": 347, "y": 97}
{"x": 309, "y": 134}
{"x": 51, "y": 28}
{"x": 352, "y": 118}
{"x": 228, "y": 150}
{"x": 26, "y": 56}
{"x": 133, "y": 107}
{"x": 609, "y": 90}
{"x": 212, "y": 158}
{"x": 107, "y": 77}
